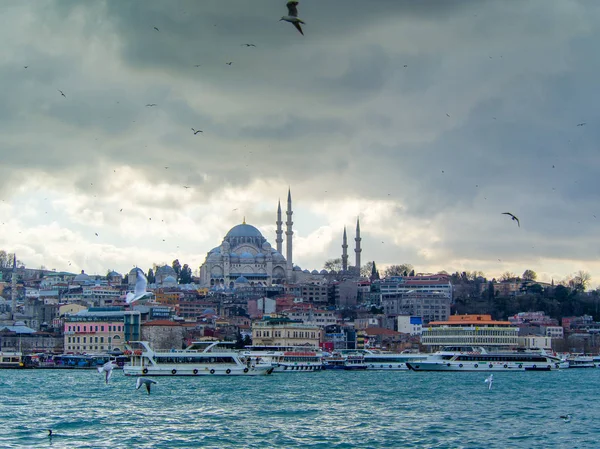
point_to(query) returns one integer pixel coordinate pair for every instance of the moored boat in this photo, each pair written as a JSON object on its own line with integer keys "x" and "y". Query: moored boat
{"x": 287, "y": 358}
{"x": 11, "y": 360}
{"x": 478, "y": 359}
{"x": 198, "y": 359}
{"x": 581, "y": 361}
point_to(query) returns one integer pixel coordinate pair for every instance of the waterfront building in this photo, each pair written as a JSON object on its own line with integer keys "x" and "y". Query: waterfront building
{"x": 315, "y": 317}
{"x": 429, "y": 305}
{"x": 412, "y": 325}
{"x": 470, "y": 330}
{"x": 163, "y": 334}
{"x": 95, "y": 330}
{"x": 281, "y": 331}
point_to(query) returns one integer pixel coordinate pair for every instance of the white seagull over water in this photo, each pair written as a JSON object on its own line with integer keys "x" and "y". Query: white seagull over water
{"x": 140, "y": 288}
{"x": 144, "y": 381}
{"x": 108, "y": 369}
{"x": 292, "y": 16}
{"x": 490, "y": 381}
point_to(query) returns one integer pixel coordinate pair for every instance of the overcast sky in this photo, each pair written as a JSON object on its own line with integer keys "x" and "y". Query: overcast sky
{"x": 426, "y": 118}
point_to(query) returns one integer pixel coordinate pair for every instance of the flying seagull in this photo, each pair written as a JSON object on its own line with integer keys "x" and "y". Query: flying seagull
{"x": 186, "y": 187}
{"x": 144, "y": 381}
{"x": 63, "y": 94}
{"x": 196, "y": 132}
{"x": 292, "y": 16}
{"x": 248, "y": 45}
{"x": 150, "y": 105}
{"x": 581, "y": 124}
{"x": 489, "y": 381}
{"x": 229, "y": 63}
{"x": 156, "y": 29}
{"x": 513, "y": 217}
{"x": 566, "y": 418}
{"x": 96, "y": 234}
{"x": 140, "y": 288}
{"x": 107, "y": 368}
{"x": 196, "y": 65}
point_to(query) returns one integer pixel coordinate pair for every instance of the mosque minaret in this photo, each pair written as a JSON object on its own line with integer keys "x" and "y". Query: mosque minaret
{"x": 357, "y": 250}
{"x": 345, "y": 252}
{"x": 279, "y": 232}
{"x": 288, "y": 236}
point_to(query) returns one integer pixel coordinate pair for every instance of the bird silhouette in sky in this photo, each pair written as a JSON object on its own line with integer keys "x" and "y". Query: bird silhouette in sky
{"x": 229, "y": 63}
{"x": 62, "y": 93}
{"x": 151, "y": 105}
{"x": 581, "y": 124}
{"x": 513, "y": 217}
{"x": 186, "y": 187}
{"x": 248, "y": 45}
{"x": 196, "y": 131}
{"x": 292, "y": 16}
{"x": 156, "y": 29}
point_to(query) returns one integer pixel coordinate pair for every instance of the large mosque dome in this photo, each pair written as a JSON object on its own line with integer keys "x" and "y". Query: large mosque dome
{"x": 243, "y": 230}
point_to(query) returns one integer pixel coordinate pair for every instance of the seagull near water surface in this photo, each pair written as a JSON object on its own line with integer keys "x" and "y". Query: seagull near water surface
{"x": 146, "y": 382}
{"x": 107, "y": 368}
{"x": 140, "y": 288}
{"x": 292, "y": 16}
{"x": 513, "y": 217}
{"x": 489, "y": 381}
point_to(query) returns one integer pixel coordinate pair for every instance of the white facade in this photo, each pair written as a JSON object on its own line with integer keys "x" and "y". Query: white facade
{"x": 412, "y": 325}
{"x": 535, "y": 342}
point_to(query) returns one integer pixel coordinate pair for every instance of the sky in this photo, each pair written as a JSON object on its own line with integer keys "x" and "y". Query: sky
{"x": 427, "y": 119}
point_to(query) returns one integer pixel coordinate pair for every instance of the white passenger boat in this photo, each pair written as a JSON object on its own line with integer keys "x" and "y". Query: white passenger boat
{"x": 581, "y": 361}
{"x": 391, "y": 360}
{"x": 199, "y": 359}
{"x": 11, "y": 359}
{"x": 478, "y": 359}
{"x": 287, "y": 358}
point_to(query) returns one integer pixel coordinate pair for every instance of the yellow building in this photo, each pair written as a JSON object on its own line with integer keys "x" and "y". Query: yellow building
{"x": 280, "y": 331}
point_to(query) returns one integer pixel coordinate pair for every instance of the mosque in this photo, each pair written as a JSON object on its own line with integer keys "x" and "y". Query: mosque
{"x": 246, "y": 257}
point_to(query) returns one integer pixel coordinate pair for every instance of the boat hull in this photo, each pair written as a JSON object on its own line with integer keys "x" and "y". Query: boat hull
{"x": 196, "y": 371}
{"x": 486, "y": 367}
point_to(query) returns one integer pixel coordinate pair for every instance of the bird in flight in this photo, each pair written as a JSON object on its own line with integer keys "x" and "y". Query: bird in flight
{"x": 292, "y": 16}
{"x": 96, "y": 234}
{"x": 489, "y": 381}
{"x": 196, "y": 65}
{"x": 63, "y": 94}
{"x": 513, "y": 217}
{"x": 144, "y": 381}
{"x": 25, "y": 66}
{"x": 186, "y": 187}
{"x": 566, "y": 418}
{"x": 156, "y": 29}
{"x": 229, "y": 63}
{"x": 196, "y": 132}
{"x": 248, "y": 45}
{"x": 151, "y": 105}
{"x": 581, "y": 124}
{"x": 107, "y": 369}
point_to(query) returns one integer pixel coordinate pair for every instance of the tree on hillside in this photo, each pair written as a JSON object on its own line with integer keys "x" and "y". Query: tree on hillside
{"x": 177, "y": 267}
{"x": 366, "y": 269}
{"x": 151, "y": 278}
{"x": 529, "y": 275}
{"x": 398, "y": 270}
{"x": 508, "y": 276}
{"x": 186, "y": 275}
{"x": 580, "y": 281}
{"x": 333, "y": 264}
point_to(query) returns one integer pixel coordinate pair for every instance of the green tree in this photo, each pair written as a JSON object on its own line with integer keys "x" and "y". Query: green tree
{"x": 186, "y": 275}
{"x": 177, "y": 267}
{"x": 398, "y": 270}
{"x": 333, "y": 264}
{"x": 366, "y": 269}
{"x": 508, "y": 276}
{"x": 581, "y": 281}
{"x": 151, "y": 278}
{"x": 529, "y": 275}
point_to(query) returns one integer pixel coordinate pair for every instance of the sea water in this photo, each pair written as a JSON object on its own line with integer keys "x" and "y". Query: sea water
{"x": 330, "y": 409}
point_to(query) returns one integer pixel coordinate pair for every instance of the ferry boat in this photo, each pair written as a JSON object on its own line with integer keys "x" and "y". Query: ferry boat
{"x": 581, "y": 361}
{"x": 287, "y": 358}
{"x": 391, "y": 361}
{"x": 478, "y": 359}
{"x": 198, "y": 359}
{"x": 350, "y": 362}
{"x": 11, "y": 360}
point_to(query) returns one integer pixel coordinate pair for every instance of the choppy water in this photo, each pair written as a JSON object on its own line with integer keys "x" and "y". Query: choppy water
{"x": 330, "y": 409}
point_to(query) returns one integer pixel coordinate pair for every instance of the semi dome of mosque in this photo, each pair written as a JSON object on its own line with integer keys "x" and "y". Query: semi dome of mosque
{"x": 169, "y": 280}
{"x": 314, "y": 272}
{"x": 260, "y": 256}
{"x": 241, "y": 280}
{"x": 234, "y": 256}
{"x": 243, "y": 230}
{"x": 216, "y": 250}
{"x": 113, "y": 274}
{"x": 323, "y": 272}
{"x": 277, "y": 257}
{"x": 247, "y": 256}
